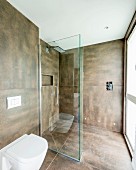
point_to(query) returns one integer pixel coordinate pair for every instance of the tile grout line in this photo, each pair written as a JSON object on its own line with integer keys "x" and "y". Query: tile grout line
{"x": 52, "y": 161}
{"x": 57, "y": 153}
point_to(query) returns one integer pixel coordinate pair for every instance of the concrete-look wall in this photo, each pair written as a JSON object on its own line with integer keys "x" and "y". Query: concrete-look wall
{"x": 66, "y": 83}
{"x": 18, "y": 74}
{"x": 50, "y": 100}
{"x": 69, "y": 83}
{"x": 102, "y": 63}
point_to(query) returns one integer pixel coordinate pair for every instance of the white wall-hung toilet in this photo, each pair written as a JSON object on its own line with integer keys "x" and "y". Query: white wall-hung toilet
{"x": 25, "y": 153}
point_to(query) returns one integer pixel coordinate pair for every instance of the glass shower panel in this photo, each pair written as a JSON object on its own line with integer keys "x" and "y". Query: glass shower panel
{"x": 64, "y": 132}
{"x": 80, "y": 86}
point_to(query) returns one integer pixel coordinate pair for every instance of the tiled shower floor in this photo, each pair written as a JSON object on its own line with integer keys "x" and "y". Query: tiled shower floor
{"x": 103, "y": 150}
{"x": 66, "y": 143}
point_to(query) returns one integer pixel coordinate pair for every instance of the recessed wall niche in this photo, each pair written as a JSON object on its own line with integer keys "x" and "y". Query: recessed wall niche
{"x": 47, "y": 80}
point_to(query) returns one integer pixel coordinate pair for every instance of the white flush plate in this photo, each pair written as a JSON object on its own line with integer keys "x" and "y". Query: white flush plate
{"x": 13, "y": 102}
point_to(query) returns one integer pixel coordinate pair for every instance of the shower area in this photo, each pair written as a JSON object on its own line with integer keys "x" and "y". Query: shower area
{"x": 61, "y": 88}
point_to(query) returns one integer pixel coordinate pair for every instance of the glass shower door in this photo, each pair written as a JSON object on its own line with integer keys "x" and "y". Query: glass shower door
{"x": 62, "y": 69}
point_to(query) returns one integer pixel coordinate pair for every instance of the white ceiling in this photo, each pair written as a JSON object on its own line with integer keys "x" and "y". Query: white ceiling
{"x": 63, "y": 18}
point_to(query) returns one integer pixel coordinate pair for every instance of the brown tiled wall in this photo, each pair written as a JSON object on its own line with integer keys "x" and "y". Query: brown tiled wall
{"x": 69, "y": 83}
{"x": 104, "y": 62}
{"x": 66, "y": 83}
{"x": 18, "y": 74}
{"x": 50, "y": 66}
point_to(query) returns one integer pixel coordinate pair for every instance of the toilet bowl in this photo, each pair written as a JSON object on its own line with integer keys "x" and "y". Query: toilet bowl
{"x": 25, "y": 153}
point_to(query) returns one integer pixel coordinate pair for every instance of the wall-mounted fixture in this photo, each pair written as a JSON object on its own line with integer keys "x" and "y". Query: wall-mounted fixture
{"x": 57, "y": 48}
{"x": 109, "y": 86}
{"x": 13, "y": 102}
{"x": 47, "y": 50}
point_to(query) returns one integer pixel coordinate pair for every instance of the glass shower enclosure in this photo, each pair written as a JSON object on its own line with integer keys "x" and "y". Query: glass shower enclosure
{"x": 61, "y": 95}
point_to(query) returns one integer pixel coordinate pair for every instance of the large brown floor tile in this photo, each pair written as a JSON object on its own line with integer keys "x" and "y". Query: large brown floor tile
{"x": 103, "y": 150}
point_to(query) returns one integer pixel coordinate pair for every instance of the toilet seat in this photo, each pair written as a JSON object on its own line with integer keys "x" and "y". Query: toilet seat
{"x": 26, "y": 150}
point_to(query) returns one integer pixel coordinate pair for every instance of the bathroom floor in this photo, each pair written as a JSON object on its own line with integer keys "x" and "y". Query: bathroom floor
{"x": 103, "y": 150}
{"x": 66, "y": 143}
